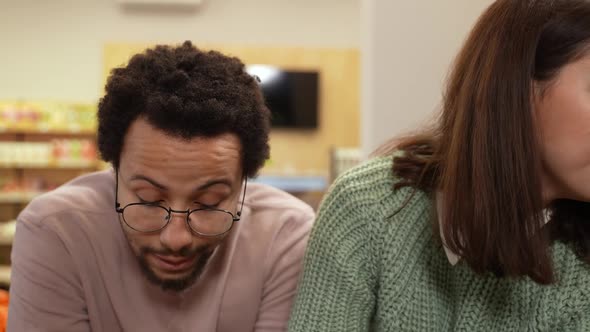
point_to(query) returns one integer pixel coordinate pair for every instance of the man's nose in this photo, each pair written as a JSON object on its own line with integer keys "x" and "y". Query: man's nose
{"x": 177, "y": 234}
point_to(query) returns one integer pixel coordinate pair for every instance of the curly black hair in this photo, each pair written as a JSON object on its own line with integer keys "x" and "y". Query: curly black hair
{"x": 186, "y": 92}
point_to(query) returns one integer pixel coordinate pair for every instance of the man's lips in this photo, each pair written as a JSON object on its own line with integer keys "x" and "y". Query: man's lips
{"x": 173, "y": 263}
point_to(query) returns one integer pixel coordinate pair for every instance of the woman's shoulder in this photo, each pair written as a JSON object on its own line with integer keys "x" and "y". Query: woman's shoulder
{"x": 364, "y": 220}
{"x": 371, "y": 185}
{"x": 365, "y": 195}
{"x": 368, "y": 181}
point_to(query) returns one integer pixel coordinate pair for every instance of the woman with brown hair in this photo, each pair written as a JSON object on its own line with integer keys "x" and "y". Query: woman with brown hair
{"x": 483, "y": 222}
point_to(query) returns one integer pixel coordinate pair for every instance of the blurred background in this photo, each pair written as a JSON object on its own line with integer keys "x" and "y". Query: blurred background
{"x": 340, "y": 76}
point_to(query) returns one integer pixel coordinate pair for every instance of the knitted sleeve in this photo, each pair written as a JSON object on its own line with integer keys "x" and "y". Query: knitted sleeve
{"x": 338, "y": 285}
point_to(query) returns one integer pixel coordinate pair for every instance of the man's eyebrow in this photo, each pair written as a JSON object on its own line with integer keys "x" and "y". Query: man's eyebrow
{"x": 214, "y": 182}
{"x": 204, "y": 186}
{"x": 152, "y": 181}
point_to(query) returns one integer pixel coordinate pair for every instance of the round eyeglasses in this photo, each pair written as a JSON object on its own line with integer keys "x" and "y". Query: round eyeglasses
{"x": 152, "y": 217}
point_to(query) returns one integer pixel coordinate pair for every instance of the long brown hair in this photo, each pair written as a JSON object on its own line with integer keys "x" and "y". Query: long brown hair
{"x": 483, "y": 154}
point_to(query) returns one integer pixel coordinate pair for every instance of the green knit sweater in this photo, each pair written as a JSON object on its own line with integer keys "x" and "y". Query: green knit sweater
{"x": 367, "y": 271}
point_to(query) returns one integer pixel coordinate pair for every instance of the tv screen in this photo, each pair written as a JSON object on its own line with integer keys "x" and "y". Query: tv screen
{"x": 291, "y": 96}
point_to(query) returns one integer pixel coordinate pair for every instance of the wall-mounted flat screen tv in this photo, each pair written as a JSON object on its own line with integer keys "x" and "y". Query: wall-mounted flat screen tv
{"x": 291, "y": 96}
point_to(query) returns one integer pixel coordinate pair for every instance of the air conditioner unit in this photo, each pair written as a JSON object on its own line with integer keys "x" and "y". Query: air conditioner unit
{"x": 184, "y": 3}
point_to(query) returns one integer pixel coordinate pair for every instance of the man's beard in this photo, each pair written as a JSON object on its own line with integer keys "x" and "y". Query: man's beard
{"x": 175, "y": 285}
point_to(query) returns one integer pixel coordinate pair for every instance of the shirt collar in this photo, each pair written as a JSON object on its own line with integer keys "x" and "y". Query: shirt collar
{"x": 451, "y": 256}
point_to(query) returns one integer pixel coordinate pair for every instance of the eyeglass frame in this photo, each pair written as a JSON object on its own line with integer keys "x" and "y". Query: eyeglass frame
{"x": 170, "y": 210}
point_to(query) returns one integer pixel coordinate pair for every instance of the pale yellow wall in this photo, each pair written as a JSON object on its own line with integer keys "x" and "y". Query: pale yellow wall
{"x": 296, "y": 151}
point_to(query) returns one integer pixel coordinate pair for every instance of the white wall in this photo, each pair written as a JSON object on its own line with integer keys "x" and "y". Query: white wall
{"x": 407, "y": 47}
{"x": 53, "y": 48}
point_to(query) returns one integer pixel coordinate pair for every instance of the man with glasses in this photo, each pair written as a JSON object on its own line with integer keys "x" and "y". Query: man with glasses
{"x": 173, "y": 238}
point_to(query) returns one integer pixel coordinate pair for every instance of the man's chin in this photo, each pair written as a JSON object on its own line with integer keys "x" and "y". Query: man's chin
{"x": 174, "y": 284}
{"x": 161, "y": 276}
{"x": 174, "y": 281}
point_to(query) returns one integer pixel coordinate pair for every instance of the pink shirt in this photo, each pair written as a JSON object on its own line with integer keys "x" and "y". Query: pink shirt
{"x": 72, "y": 268}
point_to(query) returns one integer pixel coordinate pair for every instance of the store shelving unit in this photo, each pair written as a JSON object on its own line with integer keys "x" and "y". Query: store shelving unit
{"x": 30, "y": 162}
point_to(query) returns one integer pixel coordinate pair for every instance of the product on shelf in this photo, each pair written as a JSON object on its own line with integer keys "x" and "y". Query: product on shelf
{"x": 31, "y": 185}
{"x": 57, "y": 152}
{"x": 7, "y": 230}
{"x": 47, "y": 116}
{"x": 72, "y": 151}
{"x": 23, "y": 190}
